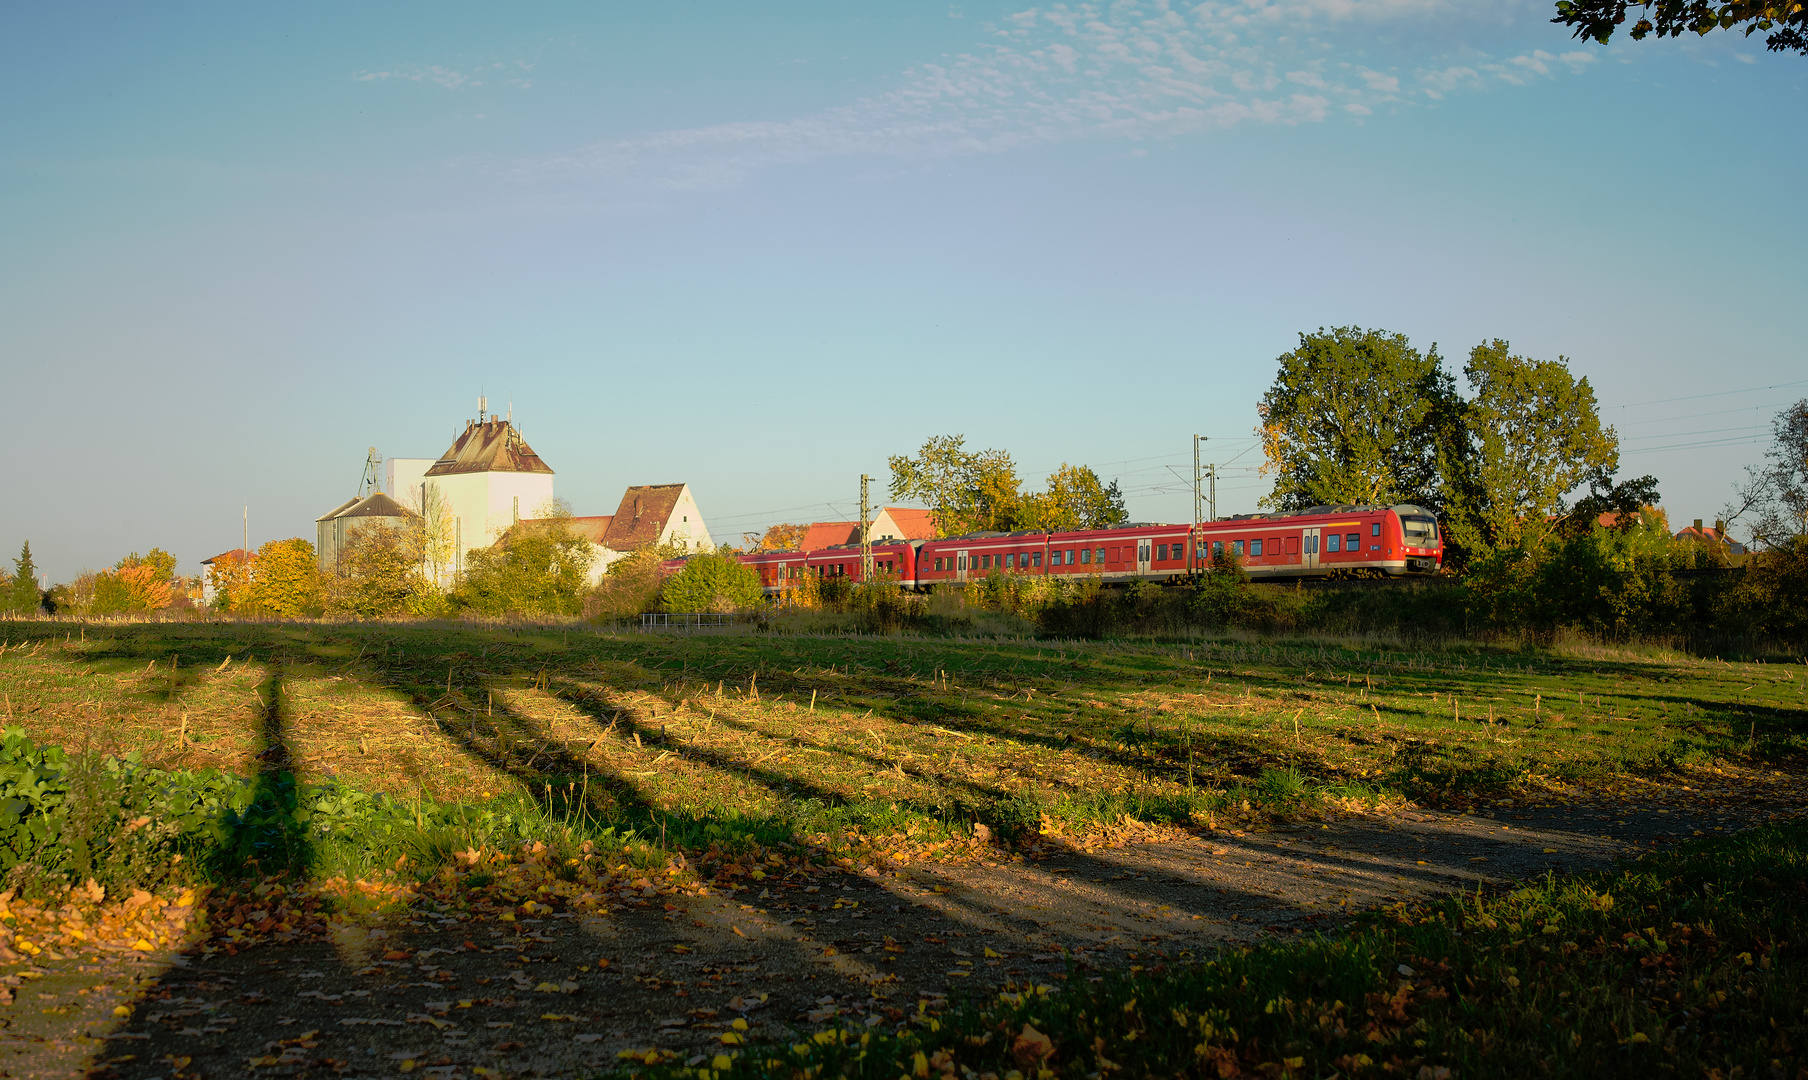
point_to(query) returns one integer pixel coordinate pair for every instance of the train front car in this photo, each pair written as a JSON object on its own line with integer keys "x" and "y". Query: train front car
{"x": 1415, "y": 542}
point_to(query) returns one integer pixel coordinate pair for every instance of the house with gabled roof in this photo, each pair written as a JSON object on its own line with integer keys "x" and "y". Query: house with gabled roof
{"x": 657, "y": 515}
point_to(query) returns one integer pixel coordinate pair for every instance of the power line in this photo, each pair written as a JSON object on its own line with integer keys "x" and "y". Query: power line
{"x": 1720, "y": 393}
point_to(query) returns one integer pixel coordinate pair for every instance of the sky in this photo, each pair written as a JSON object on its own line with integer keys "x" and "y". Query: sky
{"x": 762, "y": 248}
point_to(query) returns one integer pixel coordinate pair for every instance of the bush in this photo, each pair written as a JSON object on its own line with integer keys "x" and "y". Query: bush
{"x": 719, "y": 583}
{"x": 540, "y": 568}
{"x": 378, "y": 574}
{"x": 629, "y": 587}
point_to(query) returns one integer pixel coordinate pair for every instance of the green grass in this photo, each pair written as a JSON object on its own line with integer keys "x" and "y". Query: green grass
{"x": 846, "y": 739}
{"x": 1685, "y": 964}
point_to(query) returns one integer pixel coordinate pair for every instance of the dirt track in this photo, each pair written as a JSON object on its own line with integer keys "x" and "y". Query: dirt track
{"x": 530, "y": 997}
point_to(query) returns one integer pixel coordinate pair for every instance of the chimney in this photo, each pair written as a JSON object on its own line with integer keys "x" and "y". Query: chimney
{"x": 1719, "y": 527}
{"x": 1697, "y": 524}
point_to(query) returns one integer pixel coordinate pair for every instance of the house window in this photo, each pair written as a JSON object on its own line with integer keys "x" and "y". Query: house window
{"x": 1255, "y": 547}
{"x": 1354, "y": 542}
{"x": 1333, "y": 543}
{"x": 1086, "y": 555}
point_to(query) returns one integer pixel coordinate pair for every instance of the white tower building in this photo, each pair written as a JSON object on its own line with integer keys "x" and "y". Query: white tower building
{"x": 488, "y": 479}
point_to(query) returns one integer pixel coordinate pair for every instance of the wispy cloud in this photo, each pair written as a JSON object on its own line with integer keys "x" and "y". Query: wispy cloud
{"x": 1131, "y": 69}
{"x": 493, "y": 72}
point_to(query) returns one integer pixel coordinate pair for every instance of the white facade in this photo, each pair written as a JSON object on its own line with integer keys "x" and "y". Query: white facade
{"x": 483, "y": 505}
{"x": 403, "y": 476}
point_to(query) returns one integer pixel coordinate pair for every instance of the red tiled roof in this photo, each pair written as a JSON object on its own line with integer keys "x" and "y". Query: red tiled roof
{"x": 916, "y": 524}
{"x": 642, "y": 516}
{"x": 822, "y": 534}
{"x": 489, "y": 446}
{"x": 235, "y": 555}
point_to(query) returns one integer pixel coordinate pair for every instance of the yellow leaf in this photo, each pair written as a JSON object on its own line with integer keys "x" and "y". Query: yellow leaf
{"x": 408, "y": 1065}
{"x": 729, "y": 1038}
{"x": 547, "y": 988}
{"x": 722, "y": 1063}
{"x": 142, "y": 945}
{"x": 990, "y": 955}
{"x": 507, "y": 916}
{"x": 740, "y": 1024}
{"x": 122, "y": 1011}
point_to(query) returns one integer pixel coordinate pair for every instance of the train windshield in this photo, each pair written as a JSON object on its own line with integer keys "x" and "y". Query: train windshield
{"x": 1420, "y": 531}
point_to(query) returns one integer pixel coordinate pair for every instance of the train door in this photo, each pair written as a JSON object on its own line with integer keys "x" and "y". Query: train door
{"x": 1142, "y": 558}
{"x": 961, "y": 559}
{"x": 1308, "y": 547}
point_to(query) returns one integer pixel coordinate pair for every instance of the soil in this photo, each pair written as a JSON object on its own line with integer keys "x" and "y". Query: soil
{"x": 562, "y": 995}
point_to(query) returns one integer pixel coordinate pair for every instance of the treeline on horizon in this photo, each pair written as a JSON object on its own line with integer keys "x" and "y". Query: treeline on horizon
{"x": 1541, "y": 533}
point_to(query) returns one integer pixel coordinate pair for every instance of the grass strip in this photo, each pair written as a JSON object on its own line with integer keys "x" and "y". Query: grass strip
{"x": 1684, "y": 963}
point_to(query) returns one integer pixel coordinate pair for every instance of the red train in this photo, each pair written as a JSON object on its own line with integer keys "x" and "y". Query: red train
{"x": 1317, "y": 542}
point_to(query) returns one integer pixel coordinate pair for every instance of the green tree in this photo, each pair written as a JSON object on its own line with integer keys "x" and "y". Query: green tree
{"x": 1076, "y": 499}
{"x": 978, "y": 491}
{"x": 22, "y": 595}
{"x": 969, "y": 490}
{"x": 378, "y": 574}
{"x": 1532, "y": 434}
{"x": 285, "y": 580}
{"x": 539, "y": 567}
{"x": 1356, "y": 416}
{"x": 1787, "y": 20}
{"x": 718, "y": 583}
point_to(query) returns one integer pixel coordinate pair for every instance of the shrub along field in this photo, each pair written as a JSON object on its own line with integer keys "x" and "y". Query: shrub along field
{"x": 895, "y": 743}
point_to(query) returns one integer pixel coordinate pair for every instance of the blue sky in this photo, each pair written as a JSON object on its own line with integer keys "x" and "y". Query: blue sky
{"x": 759, "y": 248}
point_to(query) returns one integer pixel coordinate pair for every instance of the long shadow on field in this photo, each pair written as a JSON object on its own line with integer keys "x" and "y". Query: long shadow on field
{"x": 266, "y": 834}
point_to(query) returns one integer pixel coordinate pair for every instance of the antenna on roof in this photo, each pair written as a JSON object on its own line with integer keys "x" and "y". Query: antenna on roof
{"x": 483, "y": 404}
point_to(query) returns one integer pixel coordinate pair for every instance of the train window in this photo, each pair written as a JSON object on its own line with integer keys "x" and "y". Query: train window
{"x": 1354, "y": 541}
{"x": 1036, "y": 558}
{"x": 1011, "y": 559}
{"x": 1162, "y": 553}
{"x": 1217, "y": 548}
{"x": 1374, "y": 528}
{"x": 1101, "y": 552}
{"x": 1311, "y": 545}
{"x": 1333, "y": 542}
{"x": 1086, "y": 555}
{"x": 1237, "y": 547}
{"x": 1255, "y": 546}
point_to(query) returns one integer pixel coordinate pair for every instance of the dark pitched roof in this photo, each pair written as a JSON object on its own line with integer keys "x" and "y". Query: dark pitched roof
{"x": 592, "y": 528}
{"x": 489, "y": 446}
{"x": 642, "y": 516}
{"x": 374, "y": 505}
{"x": 337, "y": 510}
